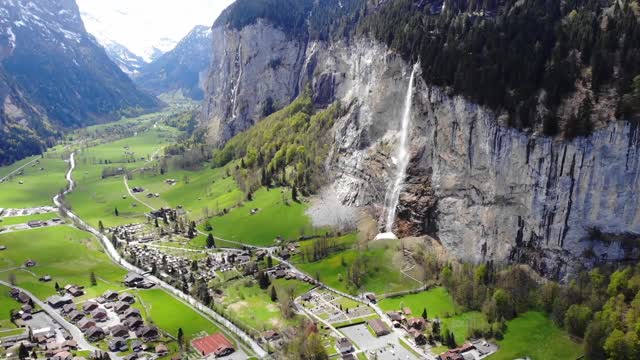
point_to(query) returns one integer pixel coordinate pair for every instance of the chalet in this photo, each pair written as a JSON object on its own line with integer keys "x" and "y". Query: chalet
{"x": 23, "y": 298}
{"x": 371, "y": 297}
{"x": 127, "y": 298}
{"x": 137, "y": 189}
{"x": 418, "y": 337}
{"x": 10, "y": 341}
{"x": 394, "y": 316}
{"x": 306, "y": 297}
{"x": 69, "y": 345}
{"x": 89, "y": 306}
{"x": 132, "y": 313}
{"x": 13, "y": 292}
{"x": 279, "y": 274}
{"x": 133, "y": 323}
{"x": 121, "y": 307}
{"x": 24, "y": 316}
{"x": 75, "y": 315}
{"x": 118, "y": 344}
{"x": 26, "y": 308}
{"x": 132, "y": 279}
{"x": 3, "y": 247}
{"x": 99, "y": 314}
{"x": 136, "y": 345}
{"x": 120, "y": 331}
{"x": 101, "y": 300}
{"x": 147, "y": 333}
{"x": 161, "y": 350}
{"x": 110, "y": 295}
{"x": 86, "y": 323}
{"x": 457, "y": 353}
{"x": 59, "y": 301}
{"x": 45, "y": 278}
{"x": 406, "y": 311}
{"x": 30, "y": 263}
{"x": 75, "y": 291}
{"x": 344, "y": 346}
{"x": 63, "y": 355}
{"x": 35, "y": 223}
{"x": 95, "y": 333}
{"x": 417, "y": 323}
{"x": 271, "y": 335}
{"x": 216, "y": 344}
{"x": 69, "y": 308}
{"x": 379, "y": 327}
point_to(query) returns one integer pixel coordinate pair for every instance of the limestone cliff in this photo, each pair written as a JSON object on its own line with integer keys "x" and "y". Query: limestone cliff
{"x": 484, "y": 190}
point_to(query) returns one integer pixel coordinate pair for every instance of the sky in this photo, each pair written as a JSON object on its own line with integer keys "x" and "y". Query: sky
{"x": 142, "y": 24}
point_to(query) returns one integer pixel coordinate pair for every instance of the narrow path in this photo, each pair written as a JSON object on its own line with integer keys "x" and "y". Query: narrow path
{"x": 72, "y": 329}
{"x": 126, "y": 185}
{"x": 208, "y": 313}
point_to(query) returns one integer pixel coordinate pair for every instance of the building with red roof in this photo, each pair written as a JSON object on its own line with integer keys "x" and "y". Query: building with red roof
{"x": 214, "y": 344}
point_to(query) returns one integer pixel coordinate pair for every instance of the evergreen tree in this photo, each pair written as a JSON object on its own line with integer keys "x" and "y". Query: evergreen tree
{"x": 211, "y": 243}
{"x": 116, "y": 212}
{"x": 92, "y": 279}
{"x": 180, "y": 338}
{"x": 100, "y": 226}
{"x": 274, "y": 294}
{"x": 424, "y": 313}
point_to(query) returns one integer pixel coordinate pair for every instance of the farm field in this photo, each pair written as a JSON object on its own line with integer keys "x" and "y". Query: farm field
{"x": 6, "y": 303}
{"x": 459, "y": 324}
{"x": 437, "y": 301}
{"x": 535, "y": 336}
{"x": 38, "y": 186}
{"x": 381, "y": 270}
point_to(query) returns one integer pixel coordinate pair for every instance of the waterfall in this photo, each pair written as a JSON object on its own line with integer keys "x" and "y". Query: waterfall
{"x": 402, "y": 158}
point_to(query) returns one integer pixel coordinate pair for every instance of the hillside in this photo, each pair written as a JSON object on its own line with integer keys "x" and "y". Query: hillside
{"x": 56, "y": 76}
{"x": 182, "y": 68}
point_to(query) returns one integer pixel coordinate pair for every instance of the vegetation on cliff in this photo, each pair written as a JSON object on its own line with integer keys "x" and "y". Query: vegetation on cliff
{"x": 289, "y": 147}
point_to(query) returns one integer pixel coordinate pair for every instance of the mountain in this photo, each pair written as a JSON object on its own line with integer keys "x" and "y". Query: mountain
{"x": 181, "y": 68}
{"x": 126, "y": 60}
{"x": 523, "y": 138}
{"x": 55, "y": 76}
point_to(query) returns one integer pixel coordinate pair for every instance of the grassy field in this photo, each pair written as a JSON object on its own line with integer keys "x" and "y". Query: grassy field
{"x": 25, "y": 219}
{"x": 459, "y": 325}
{"x": 437, "y": 301}
{"x": 170, "y": 314}
{"x": 274, "y": 218}
{"x": 382, "y": 270}
{"x": 96, "y": 198}
{"x": 535, "y": 336}
{"x": 67, "y": 254}
{"x": 6, "y": 303}
{"x": 38, "y": 186}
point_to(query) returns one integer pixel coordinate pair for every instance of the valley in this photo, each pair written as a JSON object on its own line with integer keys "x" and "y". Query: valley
{"x": 120, "y": 183}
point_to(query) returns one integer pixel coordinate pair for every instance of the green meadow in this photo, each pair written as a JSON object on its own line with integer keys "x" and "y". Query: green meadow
{"x": 437, "y": 301}
{"x": 67, "y": 254}
{"x": 535, "y": 336}
{"x": 381, "y": 268}
{"x": 170, "y": 314}
{"x": 274, "y": 218}
{"x": 34, "y": 187}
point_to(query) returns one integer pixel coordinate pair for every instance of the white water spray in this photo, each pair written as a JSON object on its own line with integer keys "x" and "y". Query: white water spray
{"x": 402, "y": 158}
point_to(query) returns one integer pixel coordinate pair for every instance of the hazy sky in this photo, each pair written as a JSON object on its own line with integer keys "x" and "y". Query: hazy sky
{"x": 141, "y": 24}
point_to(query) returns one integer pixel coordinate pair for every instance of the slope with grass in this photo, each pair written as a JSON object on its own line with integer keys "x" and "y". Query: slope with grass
{"x": 535, "y": 336}
{"x": 437, "y": 301}
{"x": 34, "y": 187}
{"x": 382, "y": 268}
{"x": 6, "y": 304}
{"x": 276, "y": 217}
{"x": 96, "y": 197}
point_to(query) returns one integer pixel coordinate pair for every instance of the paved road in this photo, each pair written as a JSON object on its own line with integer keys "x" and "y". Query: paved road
{"x": 72, "y": 329}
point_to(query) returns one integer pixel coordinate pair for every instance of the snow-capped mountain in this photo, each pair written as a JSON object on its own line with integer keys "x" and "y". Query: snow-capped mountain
{"x": 126, "y": 60}
{"x": 54, "y": 75}
{"x": 181, "y": 68}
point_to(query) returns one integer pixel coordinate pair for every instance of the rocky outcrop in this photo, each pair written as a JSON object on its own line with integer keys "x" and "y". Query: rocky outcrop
{"x": 254, "y": 70}
{"x": 484, "y": 190}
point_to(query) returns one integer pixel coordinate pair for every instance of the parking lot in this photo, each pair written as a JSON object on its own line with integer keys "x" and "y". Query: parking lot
{"x": 385, "y": 347}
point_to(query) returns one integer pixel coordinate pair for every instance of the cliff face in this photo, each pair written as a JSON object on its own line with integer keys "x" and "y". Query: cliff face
{"x": 484, "y": 190}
